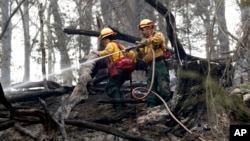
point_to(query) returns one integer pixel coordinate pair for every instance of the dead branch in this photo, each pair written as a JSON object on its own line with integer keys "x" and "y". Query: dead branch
{"x": 106, "y": 129}
{"x": 59, "y": 126}
{"x": 24, "y": 131}
{"x": 4, "y": 29}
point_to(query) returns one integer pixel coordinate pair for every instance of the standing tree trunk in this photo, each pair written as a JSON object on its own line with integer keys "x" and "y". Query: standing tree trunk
{"x": 123, "y": 14}
{"x": 41, "y": 11}
{"x": 27, "y": 46}
{"x": 222, "y": 28}
{"x": 61, "y": 44}
{"x": 50, "y": 44}
{"x": 242, "y": 72}
{"x": 85, "y": 21}
{"x": 6, "y": 44}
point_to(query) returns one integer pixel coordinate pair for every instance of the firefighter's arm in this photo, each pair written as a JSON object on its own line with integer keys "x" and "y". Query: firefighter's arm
{"x": 108, "y": 50}
{"x": 132, "y": 55}
{"x": 157, "y": 39}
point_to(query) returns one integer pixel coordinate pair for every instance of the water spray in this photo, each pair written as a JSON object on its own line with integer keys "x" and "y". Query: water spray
{"x": 76, "y": 66}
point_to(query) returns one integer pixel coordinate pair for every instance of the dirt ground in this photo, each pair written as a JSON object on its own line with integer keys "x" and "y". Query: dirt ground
{"x": 148, "y": 123}
{"x": 88, "y": 110}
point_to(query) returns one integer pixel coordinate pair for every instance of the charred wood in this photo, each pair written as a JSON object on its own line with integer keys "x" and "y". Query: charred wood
{"x": 39, "y": 84}
{"x": 5, "y": 102}
{"x": 33, "y": 95}
{"x": 114, "y": 101}
{"x": 7, "y": 124}
{"x": 54, "y": 122}
{"x": 120, "y": 36}
{"x": 25, "y": 131}
{"x": 116, "y": 117}
{"x": 106, "y": 129}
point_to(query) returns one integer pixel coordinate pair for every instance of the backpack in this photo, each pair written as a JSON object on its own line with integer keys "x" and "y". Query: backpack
{"x": 125, "y": 62}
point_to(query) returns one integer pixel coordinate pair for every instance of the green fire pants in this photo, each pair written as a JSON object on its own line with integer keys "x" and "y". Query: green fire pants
{"x": 161, "y": 84}
{"x": 114, "y": 85}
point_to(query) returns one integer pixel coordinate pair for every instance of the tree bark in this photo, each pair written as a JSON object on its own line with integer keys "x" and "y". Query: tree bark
{"x": 61, "y": 44}
{"x": 6, "y": 43}
{"x": 80, "y": 92}
{"x": 27, "y": 46}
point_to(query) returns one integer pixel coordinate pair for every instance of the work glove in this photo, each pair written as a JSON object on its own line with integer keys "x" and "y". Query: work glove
{"x": 143, "y": 42}
{"x": 94, "y": 52}
{"x": 127, "y": 49}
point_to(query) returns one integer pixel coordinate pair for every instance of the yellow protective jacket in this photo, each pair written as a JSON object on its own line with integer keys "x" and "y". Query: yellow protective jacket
{"x": 112, "y": 47}
{"x": 157, "y": 42}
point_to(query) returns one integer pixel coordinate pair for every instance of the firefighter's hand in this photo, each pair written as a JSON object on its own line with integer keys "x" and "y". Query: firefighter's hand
{"x": 143, "y": 42}
{"x": 94, "y": 52}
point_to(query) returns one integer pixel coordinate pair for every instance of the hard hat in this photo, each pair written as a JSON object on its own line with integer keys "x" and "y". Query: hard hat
{"x": 107, "y": 32}
{"x": 145, "y": 23}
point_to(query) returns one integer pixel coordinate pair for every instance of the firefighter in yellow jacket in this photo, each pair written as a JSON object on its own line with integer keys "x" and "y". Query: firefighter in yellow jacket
{"x": 156, "y": 41}
{"x": 108, "y": 37}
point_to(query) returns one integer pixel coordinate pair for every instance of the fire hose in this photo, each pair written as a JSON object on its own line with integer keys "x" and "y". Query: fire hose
{"x": 149, "y": 90}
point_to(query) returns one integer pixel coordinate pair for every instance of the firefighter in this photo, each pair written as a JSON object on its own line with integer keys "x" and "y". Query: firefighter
{"x": 108, "y": 37}
{"x": 155, "y": 40}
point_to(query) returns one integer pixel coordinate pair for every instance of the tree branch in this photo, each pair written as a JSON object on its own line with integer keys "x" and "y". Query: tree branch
{"x": 8, "y": 21}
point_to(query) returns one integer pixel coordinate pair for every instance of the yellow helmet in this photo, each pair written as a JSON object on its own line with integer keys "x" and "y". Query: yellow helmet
{"x": 107, "y": 32}
{"x": 145, "y": 23}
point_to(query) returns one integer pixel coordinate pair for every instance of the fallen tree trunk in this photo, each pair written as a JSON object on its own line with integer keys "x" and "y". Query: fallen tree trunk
{"x": 24, "y": 96}
{"x": 28, "y": 85}
{"x": 119, "y": 35}
{"x": 80, "y": 92}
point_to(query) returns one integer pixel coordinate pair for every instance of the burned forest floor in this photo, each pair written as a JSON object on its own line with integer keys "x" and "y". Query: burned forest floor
{"x": 95, "y": 120}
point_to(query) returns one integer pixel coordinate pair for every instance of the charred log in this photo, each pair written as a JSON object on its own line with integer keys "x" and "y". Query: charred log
{"x": 28, "y": 85}
{"x": 33, "y": 95}
{"x": 7, "y": 124}
{"x": 120, "y": 36}
{"x": 5, "y": 102}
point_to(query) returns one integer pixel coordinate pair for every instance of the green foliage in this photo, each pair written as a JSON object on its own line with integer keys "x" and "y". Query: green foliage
{"x": 219, "y": 99}
{"x": 209, "y": 92}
